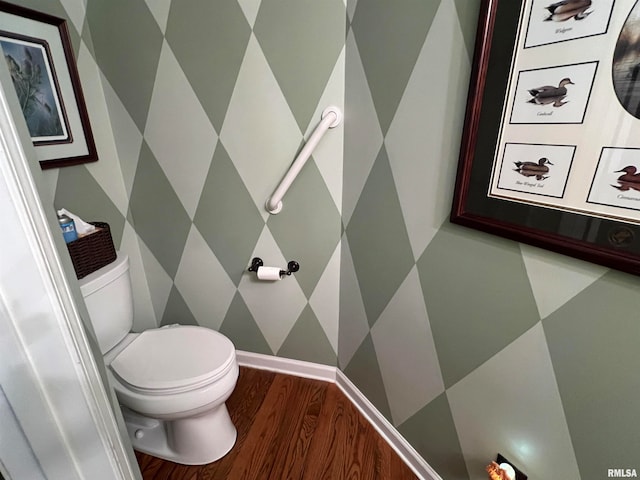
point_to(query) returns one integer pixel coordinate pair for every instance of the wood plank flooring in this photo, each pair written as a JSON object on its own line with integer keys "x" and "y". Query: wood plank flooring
{"x": 291, "y": 428}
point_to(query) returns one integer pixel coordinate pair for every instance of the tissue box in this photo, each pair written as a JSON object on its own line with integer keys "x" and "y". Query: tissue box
{"x": 93, "y": 251}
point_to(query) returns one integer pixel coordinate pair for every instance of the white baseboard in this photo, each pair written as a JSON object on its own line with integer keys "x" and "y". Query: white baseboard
{"x": 334, "y": 375}
{"x": 387, "y": 431}
{"x": 288, "y": 366}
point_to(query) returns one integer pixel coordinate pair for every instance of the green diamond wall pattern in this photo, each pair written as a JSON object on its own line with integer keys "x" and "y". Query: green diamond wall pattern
{"x": 467, "y": 343}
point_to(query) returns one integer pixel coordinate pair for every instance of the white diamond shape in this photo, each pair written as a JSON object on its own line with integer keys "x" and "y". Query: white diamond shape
{"x": 328, "y": 155}
{"x": 365, "y": 135}
{"x": 325, "y": 299}
{"x": 351, "y": 8}
{"x": 184, "y": 149}
{"x": 159, "y": 281}
{"x": 250, "y": 10}
{"x": 353, "y": 325}
{"x": 103, "y": 171}
{"x": 514, "y": 398}
{"x": 259, "y": 132}
{"x": 160, "y": 11}
{"x": 406, "y": 352}
{"x": 203, "y": 282}
{"x": 128, "y": 138}
{"x": 144, "y": 314}
{"x": 556, "y": 279}
{"x": 424, "y": 163}
{"x": 76, "y": 11}
{"x": 275, "y": 306}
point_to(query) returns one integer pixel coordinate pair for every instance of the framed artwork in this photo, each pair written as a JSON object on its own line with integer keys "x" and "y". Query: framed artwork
{"x": 550, "y": 152}
{"x": 40, "y": 61}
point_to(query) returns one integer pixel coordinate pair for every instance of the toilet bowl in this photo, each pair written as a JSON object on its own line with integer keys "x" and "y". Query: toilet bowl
{"x": 172, "y": 382}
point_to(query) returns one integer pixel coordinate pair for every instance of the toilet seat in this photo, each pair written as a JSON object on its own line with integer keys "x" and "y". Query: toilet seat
{"x": 177, "y": 359}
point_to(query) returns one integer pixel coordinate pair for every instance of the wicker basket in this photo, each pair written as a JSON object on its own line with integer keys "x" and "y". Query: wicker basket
{"x": 92, "y": 252}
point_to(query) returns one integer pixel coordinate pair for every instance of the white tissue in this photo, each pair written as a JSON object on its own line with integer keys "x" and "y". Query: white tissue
{"x": 82, "y": 227}
{"x": 268, "y": 273}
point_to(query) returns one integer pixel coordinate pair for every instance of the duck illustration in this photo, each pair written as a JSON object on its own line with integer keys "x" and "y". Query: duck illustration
{"x": 533, "y": 169}
{"x": 626, "y": 186}
{"x": 550, "y": 95}
{"x": 630, "y": 174}
{"x": 566, "y": 9}
{"x": 630, "y": 180}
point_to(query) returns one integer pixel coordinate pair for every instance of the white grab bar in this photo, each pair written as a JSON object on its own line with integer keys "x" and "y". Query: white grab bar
{"x": 331, "y": 117}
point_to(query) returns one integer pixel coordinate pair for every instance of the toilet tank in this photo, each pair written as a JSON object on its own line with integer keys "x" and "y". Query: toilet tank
{"x": 108, "y": 296}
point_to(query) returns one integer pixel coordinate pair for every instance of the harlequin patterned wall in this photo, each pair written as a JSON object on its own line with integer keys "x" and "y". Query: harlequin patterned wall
{"x": 209, "y": 103}
{"x": 469, "y": 344}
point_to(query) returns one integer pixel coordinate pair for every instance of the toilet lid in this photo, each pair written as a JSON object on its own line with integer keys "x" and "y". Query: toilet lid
{"x": 174, "y": 359}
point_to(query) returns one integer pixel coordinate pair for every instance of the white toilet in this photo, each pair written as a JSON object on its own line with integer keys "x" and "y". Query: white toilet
{"x": 172, "y": 381}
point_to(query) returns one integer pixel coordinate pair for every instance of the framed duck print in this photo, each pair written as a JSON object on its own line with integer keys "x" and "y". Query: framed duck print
{"x": 560, "y": 21}
{"x": 558, "y": 94}
{"x": 545, "y": 173}
{"x": 550, "y": 153}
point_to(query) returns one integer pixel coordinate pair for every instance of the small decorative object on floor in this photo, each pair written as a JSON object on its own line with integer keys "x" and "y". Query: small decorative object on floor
{"x": 497, "y": 473}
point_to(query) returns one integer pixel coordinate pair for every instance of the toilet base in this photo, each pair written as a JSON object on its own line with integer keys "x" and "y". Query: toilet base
{"x": 194, "y": 440}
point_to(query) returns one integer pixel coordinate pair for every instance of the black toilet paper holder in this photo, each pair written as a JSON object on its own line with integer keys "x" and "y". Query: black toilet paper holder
{"x": 292, "y": 266}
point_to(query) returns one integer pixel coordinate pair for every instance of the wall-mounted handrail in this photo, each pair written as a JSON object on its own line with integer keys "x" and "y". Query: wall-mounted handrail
{"x": 331, "y": 117}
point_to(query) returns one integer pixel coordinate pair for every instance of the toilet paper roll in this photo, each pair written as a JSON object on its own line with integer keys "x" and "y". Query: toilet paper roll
{"x": 268, "y": 273}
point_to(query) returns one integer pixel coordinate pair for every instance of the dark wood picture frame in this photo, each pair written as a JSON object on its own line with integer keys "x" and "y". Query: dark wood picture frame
{"x": 79, "y": 146}
{"x": 605, "y": 241}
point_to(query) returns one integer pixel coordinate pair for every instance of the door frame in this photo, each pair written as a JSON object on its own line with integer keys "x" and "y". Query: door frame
{"x": 51, "y": 383}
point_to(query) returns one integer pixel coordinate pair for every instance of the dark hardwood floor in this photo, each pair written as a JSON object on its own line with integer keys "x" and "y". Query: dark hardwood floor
{"x": 291, "y": 428}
